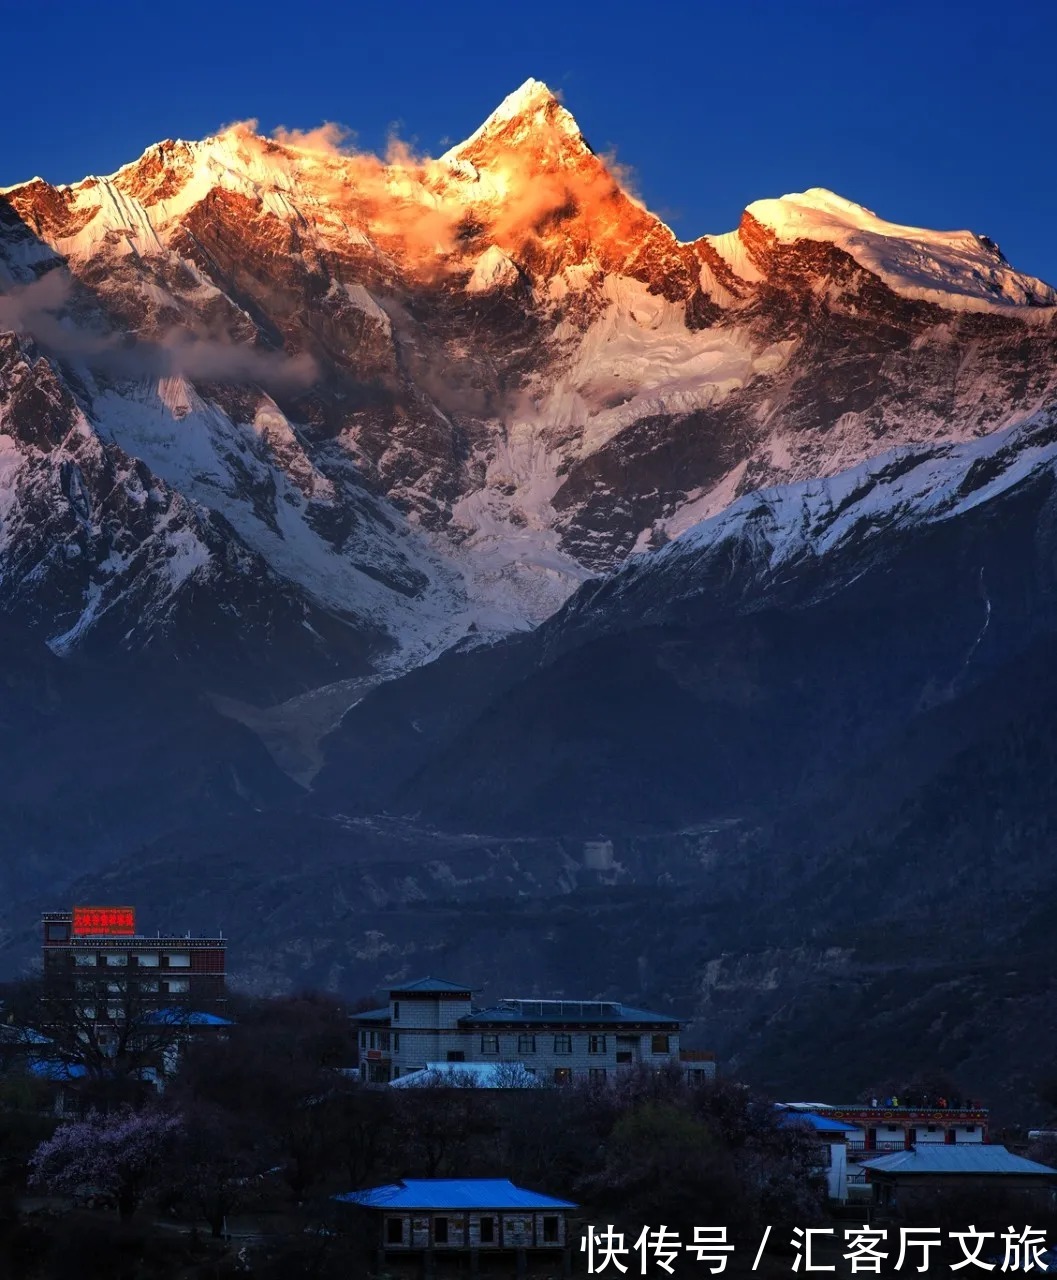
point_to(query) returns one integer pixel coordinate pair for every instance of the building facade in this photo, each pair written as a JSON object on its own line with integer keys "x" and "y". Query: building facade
{"x": 434, "y": 1218}
{"x": 897, "y": 1128}
{"x": 108, "y": 967}
{"x": 432, "y": 1020}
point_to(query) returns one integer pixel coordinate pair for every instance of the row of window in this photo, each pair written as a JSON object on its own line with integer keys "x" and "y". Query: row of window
{"x": 174, "y": 986}
{"x": 119, "y": 959}
{"x": 526, "y": 1044}
{"x": 929, "y": 1128}
{"x": 563, "y": 1044}
{"x": 563, "y": 1075}
{"x": 380, "y": 1040}
{"x": 115, "y": 1013}
{"x": 395, "y": 1230}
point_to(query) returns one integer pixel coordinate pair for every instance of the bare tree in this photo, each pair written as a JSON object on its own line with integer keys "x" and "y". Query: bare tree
{"x": 105, "y": 1024}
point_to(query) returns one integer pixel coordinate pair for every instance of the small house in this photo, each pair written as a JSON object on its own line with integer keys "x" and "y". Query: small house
{"x": 430, "y": 1218}
{"x": 905, "y": 1180}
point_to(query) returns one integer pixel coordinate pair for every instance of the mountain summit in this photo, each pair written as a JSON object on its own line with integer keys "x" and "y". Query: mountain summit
{"x": 530, "y": 112}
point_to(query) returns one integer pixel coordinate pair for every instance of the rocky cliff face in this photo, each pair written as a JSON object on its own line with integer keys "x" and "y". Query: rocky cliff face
{"x": 429, "y": 397}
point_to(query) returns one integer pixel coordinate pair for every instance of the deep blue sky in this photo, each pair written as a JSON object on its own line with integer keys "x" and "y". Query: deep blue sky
{"x": 938, "y": 114}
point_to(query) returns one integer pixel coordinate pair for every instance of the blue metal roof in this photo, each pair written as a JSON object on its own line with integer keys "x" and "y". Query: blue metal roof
{"x": 428, "y": 986}
{"x": 181, "y": 1018}
{"x": 11, "y": 1034}
{"x": 453, "y": 1193}
{"x": 46, "y": 1069}
{"x": 372, "y": 1015}
{"x": 811, "y": 1119}
{"x": 959, "y": 1157}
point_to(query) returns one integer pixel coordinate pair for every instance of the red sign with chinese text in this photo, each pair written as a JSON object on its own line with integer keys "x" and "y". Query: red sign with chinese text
{"x": 104, "y": 922}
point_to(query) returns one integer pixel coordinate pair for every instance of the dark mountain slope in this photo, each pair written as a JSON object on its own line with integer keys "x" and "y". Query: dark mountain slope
{"x": 714, "y": 681}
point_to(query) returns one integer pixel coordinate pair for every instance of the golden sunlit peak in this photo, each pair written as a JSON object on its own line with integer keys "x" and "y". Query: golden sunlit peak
{"x": 531, "y": 106}
{"x": 530, "y": 96}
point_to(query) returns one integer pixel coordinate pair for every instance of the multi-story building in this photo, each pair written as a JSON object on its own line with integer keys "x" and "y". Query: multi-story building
{"x": 107, "y": 966}
{"x": 433, "y": 1020}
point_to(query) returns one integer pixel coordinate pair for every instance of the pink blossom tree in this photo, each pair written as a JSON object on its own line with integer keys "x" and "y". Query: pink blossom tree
{"x": 121, "y": 1155}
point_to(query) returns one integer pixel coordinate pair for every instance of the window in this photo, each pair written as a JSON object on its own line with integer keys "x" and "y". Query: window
{"x": 526, "y": 1044}
{"x": 489, "y": 1044}
{"x": 179, "y": 959}
{"x": 562, "y": 1075}
{"x": 363, "y": 1039}
{"x": 488, "y": 1230}
{"x": 147, "y": 959}
{"x": 970, "y": 1128}
{"x": 623, "y": 1056}
{"x": 597, "y": 1074}
{"x": 440, "y": 1230}
{"x": 178, "y": 986}
{"x": 456, "y": 1055}
{"x": 396, "y": 1010}
{"x": 83, "y": 961}
{"x": 596, "y": 1044}
{"x": 550, "y": 1230}
{"x": 659, "y": 1044}
{"x": 115, "y": 959}
{"x": 113, "y": 988}
{"x": 394, "y": 1231}
{"x": 149, "y": 984}
{"x": 396, "y": 1041}
{"x": 57, "y": 932}
{"x": 563, "y": 1044}
{"x": 383, "y": 1040}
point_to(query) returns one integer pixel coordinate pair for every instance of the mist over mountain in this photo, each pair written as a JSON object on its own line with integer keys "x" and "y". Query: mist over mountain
{"x": 410, "y": 558}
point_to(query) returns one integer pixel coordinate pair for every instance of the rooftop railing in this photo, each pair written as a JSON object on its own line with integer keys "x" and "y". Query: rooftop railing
{"x": 561, "y": 1008}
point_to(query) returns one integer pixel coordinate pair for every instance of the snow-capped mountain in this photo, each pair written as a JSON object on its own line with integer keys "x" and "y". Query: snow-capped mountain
{"x": 383, "y": 406}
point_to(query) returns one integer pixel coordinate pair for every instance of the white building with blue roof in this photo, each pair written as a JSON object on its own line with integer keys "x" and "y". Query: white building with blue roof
{"x": 436, "y": 1216}
{"x": 432, "y": 1020}
{"x": 831, "y": 1135}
